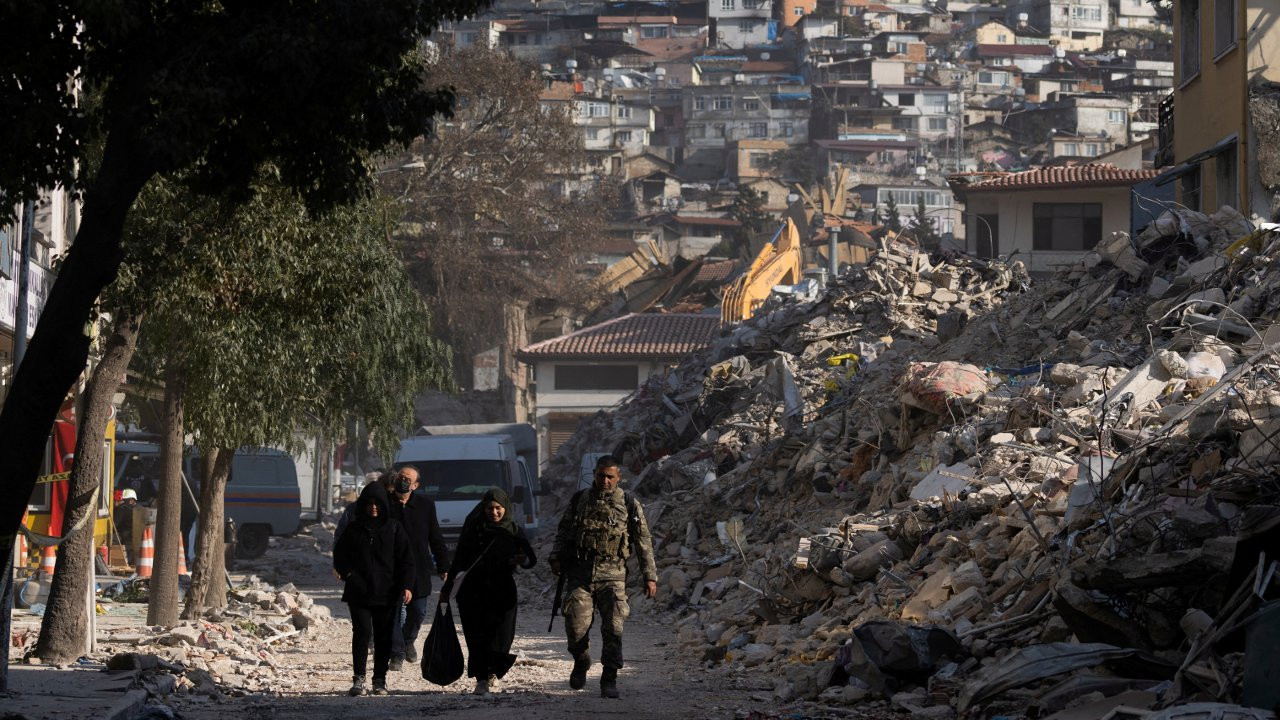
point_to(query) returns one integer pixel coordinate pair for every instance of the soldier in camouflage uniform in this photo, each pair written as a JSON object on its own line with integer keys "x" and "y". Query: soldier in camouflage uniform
{"x": 598, "y": 532}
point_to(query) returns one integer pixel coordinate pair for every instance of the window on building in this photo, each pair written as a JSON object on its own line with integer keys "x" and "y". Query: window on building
{"x": 699, "y": 103}
{"x": 597, "y": 377}
{"x": 906, "y": 99}
{"x": 746, "y": 27}
{"x": 622, "y": 136}
{"x": 799, "y": 10}
{"x": 723, "y": 102}
{"x": 759, "y": 161}
{"x": 750, "y": 104}
{"x": 1224, "y": 26}
{"x": 753, "y": 4}
{"x": 624, "y": 111}
{"x": 758, "y": 130}
{"x": 904, "y": 123}
{"x": 1189, "y": 22}
{"x": 696, "y": 131}
{"x": 993, "y": 77}
{"x": 1116, "y": 116}
{"x": 1002, "y": 39}
{"x": 1189, "y": 187}
{"x": 937, "y": 123}
{"x": 596, "y": 109}
{"x": 1224, "y": 168}
{"x": 653, "y": 31}
{"x": 727, "y": 4}
{"x": 1066, "y": 226}
{"x": 1070, "y": 149}
{"x": 936, "y": 102}
{"x": 593, "y": 133}
{"x": 885, "y": 157}
{"x": 1091, "y": 149}
{"x": 786, "y": 129}
{"x": 1086, "y": 13}
{"x": 470, "y": 38}
{"x": 717, "y": 130}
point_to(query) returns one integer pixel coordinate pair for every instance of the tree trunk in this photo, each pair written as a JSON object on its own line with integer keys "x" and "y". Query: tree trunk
{"x": 162, "y": 605}
{"x": 64, "y": 627}
{"x": 57, "y": 353}
{"x": 208, "y": 590}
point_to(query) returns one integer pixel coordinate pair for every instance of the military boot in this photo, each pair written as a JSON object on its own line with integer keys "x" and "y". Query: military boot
{"x": 578, "y": 678}
{"x": 609, "y": 683}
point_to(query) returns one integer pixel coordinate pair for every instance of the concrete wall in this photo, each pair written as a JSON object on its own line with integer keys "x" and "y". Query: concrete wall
{"x": 1220, "y": 85}
{"x": 583, "y": 402}
{"x": 1015, "y": 211}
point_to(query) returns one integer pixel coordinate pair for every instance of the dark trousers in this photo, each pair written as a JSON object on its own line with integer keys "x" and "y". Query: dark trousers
{"x": 408, "y": 622}
{"x": 489, "y": 634}
{"x": 378, "y": 622}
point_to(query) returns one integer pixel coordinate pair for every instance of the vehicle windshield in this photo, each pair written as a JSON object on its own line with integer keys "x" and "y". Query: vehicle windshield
{"x": 460, "y": 479}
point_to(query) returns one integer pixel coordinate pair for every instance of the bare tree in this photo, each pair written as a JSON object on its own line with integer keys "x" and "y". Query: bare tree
{"x": 496, "y": 211}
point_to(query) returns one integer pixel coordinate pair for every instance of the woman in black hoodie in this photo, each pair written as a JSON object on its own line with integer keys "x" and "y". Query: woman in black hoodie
{"x": 373, "y": 558}
{"x": 491, "y": 546}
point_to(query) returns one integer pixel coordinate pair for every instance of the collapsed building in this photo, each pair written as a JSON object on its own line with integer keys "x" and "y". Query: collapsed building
{"x": 942, "y": 486}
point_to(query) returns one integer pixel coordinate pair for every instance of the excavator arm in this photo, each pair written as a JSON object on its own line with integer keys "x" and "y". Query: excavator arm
{"x": 778, "y": 263}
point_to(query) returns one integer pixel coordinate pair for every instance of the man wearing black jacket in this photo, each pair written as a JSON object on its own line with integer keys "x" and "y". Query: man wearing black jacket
{"x": 418, "y": 515}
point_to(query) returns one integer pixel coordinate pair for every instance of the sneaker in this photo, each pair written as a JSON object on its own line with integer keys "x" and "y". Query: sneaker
{"x": 494, "y": 684}
{"x": 380, "y": 687}
{"x": 410, "y": 654}
{"x": 482, "y": 687}
{"x": 357, "y": 686}
{"x": 397, "y": 663}
{"x": 609, "y": 683}
{"x": 578, "y": 678}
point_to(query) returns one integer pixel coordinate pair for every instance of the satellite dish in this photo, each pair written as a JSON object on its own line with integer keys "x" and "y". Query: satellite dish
{"x": 764, "y": 56}
{"x": 571, "y": 64}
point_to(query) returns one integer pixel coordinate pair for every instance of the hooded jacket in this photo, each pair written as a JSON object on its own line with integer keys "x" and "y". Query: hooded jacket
{"x": 373, "y": 555}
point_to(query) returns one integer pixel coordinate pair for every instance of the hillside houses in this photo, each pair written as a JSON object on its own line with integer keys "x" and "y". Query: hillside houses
{"x": 683, "y": 102}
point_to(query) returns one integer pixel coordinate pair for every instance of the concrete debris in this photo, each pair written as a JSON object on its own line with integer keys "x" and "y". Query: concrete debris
{"x": 231, "y": 652}
{"x": 1050, "y": 477}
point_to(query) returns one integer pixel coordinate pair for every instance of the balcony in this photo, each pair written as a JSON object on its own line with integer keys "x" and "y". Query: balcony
{"x": 1164, "y": 136}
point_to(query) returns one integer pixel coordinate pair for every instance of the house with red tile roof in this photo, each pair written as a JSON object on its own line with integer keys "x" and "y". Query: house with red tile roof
{"x": 595, "y": 368}
{"x": 1053, "y": 215}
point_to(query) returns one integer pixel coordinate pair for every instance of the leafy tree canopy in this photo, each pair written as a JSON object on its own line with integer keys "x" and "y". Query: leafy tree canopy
{"x": 216, "y": 87}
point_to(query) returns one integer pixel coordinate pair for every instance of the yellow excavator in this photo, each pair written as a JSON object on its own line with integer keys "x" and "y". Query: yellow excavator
{"x": 778, "y": 263}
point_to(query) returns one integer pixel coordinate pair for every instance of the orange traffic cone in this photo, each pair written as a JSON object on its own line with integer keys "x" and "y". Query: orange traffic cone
{"x": 182, "y": 556}
{"x": 147, "y": 554}
{"x": 48, "y": 560}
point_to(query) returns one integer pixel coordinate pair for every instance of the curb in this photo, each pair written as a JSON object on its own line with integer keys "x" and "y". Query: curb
{"x": 134, "y": 700}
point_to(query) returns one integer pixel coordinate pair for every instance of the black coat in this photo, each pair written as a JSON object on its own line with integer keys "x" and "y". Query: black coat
{"x": 425, "y": 539}
{"x": 488, "y": 585}
{"x": 373, "y": 556}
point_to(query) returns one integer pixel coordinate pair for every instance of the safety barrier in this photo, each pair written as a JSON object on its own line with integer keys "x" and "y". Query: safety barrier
{"x": 147, "y": 553}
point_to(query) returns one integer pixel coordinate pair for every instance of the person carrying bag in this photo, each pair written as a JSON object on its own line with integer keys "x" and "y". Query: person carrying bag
{"x": 442, "y": 653}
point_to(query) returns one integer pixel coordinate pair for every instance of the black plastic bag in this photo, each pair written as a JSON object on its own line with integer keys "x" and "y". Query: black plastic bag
{"x": 442, "y": 661}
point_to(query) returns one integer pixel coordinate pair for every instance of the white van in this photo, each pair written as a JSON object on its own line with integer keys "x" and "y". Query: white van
{"x": 456, "y": 471}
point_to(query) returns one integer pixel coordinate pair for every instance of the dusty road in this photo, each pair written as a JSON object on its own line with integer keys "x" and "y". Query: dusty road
{"x": 658, "y": 682}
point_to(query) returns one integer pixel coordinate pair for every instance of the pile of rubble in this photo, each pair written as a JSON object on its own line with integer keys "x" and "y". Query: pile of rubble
{"x": 231, "y": 651}
{"x": 945, "y": 487}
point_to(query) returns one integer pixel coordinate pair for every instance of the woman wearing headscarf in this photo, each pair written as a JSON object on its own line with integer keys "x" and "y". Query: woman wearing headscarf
{"x": 489, "y": 549}
{"x": 374, "y": 560}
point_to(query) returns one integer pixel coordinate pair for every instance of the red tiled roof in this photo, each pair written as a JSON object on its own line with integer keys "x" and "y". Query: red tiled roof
{"x": 695, "y": 220}
{"x": 1074, "y": 176}
{"x": 638, "y": 336}
{"x": 714, "y": 272}
{"x": 764, "y": 66}
{"x": 999, "y": 50}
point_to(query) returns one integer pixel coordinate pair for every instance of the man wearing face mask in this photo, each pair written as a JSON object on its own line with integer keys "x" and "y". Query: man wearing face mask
{"x": 598, "y": 532}
{"x": 430, "y": 557}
